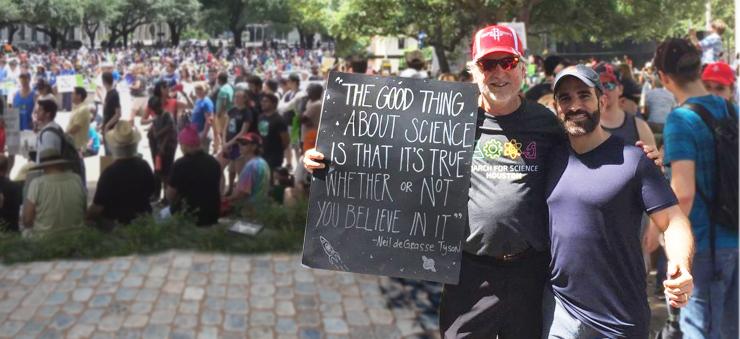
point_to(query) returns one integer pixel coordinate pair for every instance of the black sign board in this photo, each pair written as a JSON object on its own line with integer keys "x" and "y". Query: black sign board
{"x": 393, "y": 199}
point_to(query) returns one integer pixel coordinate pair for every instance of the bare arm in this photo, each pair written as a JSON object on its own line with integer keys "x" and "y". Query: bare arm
{"x": 645, "y": 133}
{"x": 683, "y": 183}
{"x": 679, "y": 246}
{"x": 113, "y": 120}
{"x": 245, "y": 128}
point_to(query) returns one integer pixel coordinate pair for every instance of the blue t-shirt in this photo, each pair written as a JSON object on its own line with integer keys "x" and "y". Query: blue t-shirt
{"x": 686, "y": 137}
{"x": 202, "y": 111}
{"x": 711, "y": 47}
{"x": 25, "y": 109}
{"x": 597, "y": 269}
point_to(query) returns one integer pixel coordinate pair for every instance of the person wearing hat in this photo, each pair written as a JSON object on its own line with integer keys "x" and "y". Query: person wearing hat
{"x": 194, "y": 180}
{"x": 719, "y": 80}
{"x": 629, "y": 101}
{"x": 55, "y": 200}
{"x": 254, "y": 180}
{"x": 503, "y": 270}
{"x": 597, "y": 276}
{"x": 690, "y": 153}
{"x": 124, "y": 187}
{"x": 614, "y": 119}
{"x": 415, "y": 62}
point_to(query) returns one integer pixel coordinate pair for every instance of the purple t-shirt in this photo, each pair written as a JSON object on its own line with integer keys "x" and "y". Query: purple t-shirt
{"x": 596, "y": 201}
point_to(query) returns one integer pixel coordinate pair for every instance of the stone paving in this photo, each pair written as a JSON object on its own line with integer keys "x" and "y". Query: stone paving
{"x": 192, "y": 295}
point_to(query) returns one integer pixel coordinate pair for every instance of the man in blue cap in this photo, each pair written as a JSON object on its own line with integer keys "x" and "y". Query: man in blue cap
{"x": 597, "y": 273}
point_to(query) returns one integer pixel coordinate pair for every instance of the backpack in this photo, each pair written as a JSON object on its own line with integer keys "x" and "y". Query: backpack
{"x": 68, "y": 150}
{"x": 723, "y": 208}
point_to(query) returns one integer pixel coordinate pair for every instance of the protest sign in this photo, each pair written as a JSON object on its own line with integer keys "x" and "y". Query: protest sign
{"x": 12, "y": 121}
{"x": 393, "y": 199}
{"x": 66, "y": 83}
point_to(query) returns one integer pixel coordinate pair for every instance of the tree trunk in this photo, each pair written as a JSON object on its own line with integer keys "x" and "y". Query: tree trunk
{"x": 237, "y": 36}
{"x": 302, "y": 38}
{"x": 90, "y": 31}
{"x": 11, "y": 33}
{"x": 309, "y": 40}
{"x": 54, "y": 39}
{"x": 113, "y": 38}
{"x": 175, "y": 31}
{"x": 444, "y": 65}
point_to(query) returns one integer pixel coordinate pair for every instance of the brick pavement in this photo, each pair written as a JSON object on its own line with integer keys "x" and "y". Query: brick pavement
{"x": 192, "y": 295}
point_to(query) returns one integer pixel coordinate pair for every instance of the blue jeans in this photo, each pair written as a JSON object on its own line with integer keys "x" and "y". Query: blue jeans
{"x": 559, "y": 324}
{"x": 712, "y": 311}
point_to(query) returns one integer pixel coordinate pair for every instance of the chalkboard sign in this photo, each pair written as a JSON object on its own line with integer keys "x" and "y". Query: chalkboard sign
{"x": 393, "y": 199}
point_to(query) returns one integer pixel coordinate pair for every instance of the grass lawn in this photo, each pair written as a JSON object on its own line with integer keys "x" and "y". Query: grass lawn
{"x": 283, "y": 232}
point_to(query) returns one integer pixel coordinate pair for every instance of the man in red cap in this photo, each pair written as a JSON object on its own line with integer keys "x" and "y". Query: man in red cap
{"x": 254, "y": 179}
{"x": 719, "y": 79}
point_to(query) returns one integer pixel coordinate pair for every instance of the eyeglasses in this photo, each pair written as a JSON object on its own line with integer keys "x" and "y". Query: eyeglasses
{"x": 506, "y": 63}
{"x": 609, "y": 86}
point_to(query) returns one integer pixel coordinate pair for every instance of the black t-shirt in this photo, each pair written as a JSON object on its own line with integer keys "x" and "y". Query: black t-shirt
{"x": 256, "y": 110}
{"x": 506, "y": 207}
{"x": 537, "y": 91}
{"x": 237, "y": 117}
{"x": 112, "y": 102}
{"x": 596, "y": 201}
{"x": 12, "y": 197}
{"x": 124, "y": 190}
{"x": 270, "y": 127}
{"x": 196, "y": 177}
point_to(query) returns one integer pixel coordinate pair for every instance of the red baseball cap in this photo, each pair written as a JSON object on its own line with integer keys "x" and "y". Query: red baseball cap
{"x": 496, "y": 38}
{"x": 718, "y": 72}
{"x": 251, "y": 137}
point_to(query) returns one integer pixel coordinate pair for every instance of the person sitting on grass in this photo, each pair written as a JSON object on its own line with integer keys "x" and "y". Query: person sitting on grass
{"x": 55, "y": 200}
{"x": 11, "y": 196}
{"x": 254, "y": 181}
{"x": 125, "y": 186}
{"x": 193, "y": 185}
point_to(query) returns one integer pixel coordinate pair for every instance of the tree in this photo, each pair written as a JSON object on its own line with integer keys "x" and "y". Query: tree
{"x": 55, "y": 18}
{"x": 132, "y": 14}
{"x": 178, "y": 15}
{"x": 309, "y": 17}
{"x": 10, "y": 16}
{"x": 97, "y": 13}
{"x": 234, "y": 15}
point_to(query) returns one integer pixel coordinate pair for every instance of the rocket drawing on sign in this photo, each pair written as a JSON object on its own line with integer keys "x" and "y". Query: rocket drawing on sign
{"x": 333, "y": 255}
{"x": 428, "y": 264}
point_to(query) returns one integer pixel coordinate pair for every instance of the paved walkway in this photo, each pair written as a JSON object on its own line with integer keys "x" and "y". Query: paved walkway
{"x": 190, "y": 295}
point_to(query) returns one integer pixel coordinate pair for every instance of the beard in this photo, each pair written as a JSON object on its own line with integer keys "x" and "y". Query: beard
{"x": 579, "y": 127}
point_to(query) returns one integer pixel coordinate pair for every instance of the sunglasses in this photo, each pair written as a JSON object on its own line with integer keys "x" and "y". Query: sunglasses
{"x": 609, "y": 86}
{"x": 712, "y": 88}
{"x": 506, "y": 63}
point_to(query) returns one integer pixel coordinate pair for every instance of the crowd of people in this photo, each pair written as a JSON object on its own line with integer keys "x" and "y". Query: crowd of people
{"x": 223, "y": 127}
{"x": 232, "y": 129}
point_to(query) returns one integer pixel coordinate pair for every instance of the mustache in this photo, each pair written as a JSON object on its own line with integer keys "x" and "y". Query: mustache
{"x": 577, "y": 112}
